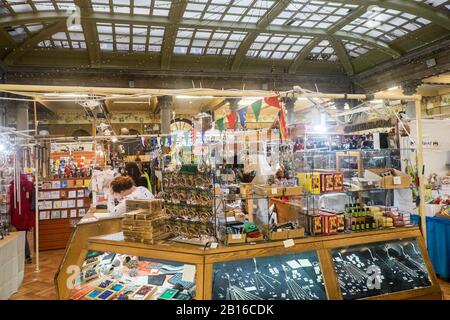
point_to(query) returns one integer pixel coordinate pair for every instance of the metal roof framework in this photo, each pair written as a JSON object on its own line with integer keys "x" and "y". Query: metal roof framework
{"x": 355, "y": 34}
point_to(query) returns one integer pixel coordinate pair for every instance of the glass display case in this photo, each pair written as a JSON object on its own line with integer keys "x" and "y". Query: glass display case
{"x": 283, "y": 277}
{"x": 380, "y": 268}
{"x": 111, "y": 276}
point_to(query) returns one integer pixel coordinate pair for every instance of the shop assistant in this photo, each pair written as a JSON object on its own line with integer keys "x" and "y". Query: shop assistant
{"x": 123, "y": 188}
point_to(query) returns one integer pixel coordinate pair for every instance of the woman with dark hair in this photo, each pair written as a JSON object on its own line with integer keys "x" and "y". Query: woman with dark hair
{"x": 132, "y": 170}
{"x": 123, "y": 188}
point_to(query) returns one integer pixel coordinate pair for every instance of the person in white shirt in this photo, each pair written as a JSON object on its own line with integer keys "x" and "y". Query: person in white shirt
{"x": 123, "y": 188}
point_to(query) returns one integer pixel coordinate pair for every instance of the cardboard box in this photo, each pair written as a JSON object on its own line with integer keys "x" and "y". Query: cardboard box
{"x": 271, "y": 191}
{"x": 236, "y": 238}
{"x": 338, "y": 182}
{"x": 293, "y": 191}
{"x": 278, "y": 235}
{"x": 296, "y": 233}
{"x": 329, "y": 223}
{"x": 388, "y": 178}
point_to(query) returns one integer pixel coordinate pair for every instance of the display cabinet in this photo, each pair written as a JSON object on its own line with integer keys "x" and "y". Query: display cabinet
{"x": 382, "y": 264}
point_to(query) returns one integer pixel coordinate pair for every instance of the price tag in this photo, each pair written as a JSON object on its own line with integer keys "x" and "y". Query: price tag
{"x": 188, "y": 273}
{"x": 231, "y": 219}
{"x": 279, "y": 230}
{"x": 218, "y": 173}
{"x": 274, "y": 190}
{"x": 288, "y": 243}
{"x": 397, "y": 180}
{"x": 214, "y": 245}
{"x": 236, "y": 236}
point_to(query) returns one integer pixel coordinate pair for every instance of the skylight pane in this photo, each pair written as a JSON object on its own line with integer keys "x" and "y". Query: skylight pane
{"x": 313, "y": 14}
{"x": 244, "y": 11}
{"x": 201, "y": 41}
{"x": 275, "y": 46}
{"x": 386, "y": 24}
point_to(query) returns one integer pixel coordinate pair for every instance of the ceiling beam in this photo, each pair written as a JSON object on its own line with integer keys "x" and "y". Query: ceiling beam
{"x": 90, "y": 33}
{"x": 232, "y": 26}
{"x": 250, "y": 38}
{"x": 298, "y": 61}
{"x": 170, "y": 33}
{"x": 31, "y": 42}
{"x": 343, "y": 56}
{"x": 440, "y": 79}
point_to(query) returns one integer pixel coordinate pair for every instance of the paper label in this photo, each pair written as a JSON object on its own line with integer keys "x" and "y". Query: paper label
{"x": 188, "y": 273}
{"x": 397, "y": 180}
{"x": 236, "y": 236}
{"x": 288, "y": 243}
{"x": 274, "y": 190}
{"x": 213, "y": 245}
{"x": 231, "y": 219}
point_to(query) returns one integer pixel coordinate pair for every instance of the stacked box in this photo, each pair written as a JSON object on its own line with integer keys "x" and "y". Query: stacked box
{"x": 147, "y": 223}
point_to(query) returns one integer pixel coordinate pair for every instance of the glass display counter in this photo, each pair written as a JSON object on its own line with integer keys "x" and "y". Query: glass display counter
{"x": 382, "y": 264}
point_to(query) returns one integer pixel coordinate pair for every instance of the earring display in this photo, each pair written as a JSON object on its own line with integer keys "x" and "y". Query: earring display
{"x": 189, "y": 204}
{"x": 283, "y": 277}
{"x": 380, "y": 268}
{"x": 137, "y": 278}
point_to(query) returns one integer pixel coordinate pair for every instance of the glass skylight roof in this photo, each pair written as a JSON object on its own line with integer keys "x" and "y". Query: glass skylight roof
{"x": 141, "y": 7}
{"x": 20, "y": 33}
{"x": 436, "y": 3}
{"x": 355, "y": 49}
{"x": 386, "y": 24}
{"x": 323, "y": 52}
{"x": 125, "y": 37}
{"x": 207, "y": 42}
{"x": 277, "y": 46}
{"x": 66, "y": 40}
{"x": 246, "y": 11}
{"x": 313, "y": 14}
{"x": 24, "y": 6}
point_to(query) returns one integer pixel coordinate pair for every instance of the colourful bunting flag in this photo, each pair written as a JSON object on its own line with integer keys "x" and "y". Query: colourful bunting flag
{"x": 256, "y": 106}
{"x": 220, "y": 124}
{"x": 232, "y": 120}
{"x": 274, "y": 102}
{"x": 242, "y": 113}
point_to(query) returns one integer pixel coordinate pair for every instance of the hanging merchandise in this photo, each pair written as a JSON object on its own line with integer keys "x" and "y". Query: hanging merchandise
{"x": 22, "y": 204}
{"x": 242, "y": 114}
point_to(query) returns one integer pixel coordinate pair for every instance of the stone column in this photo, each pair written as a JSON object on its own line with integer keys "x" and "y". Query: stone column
{"x": 22, "y": 120}
{"x": 289, "y": 104}
{"x": 165, "y": 105}
{"x": 410, "y": 88}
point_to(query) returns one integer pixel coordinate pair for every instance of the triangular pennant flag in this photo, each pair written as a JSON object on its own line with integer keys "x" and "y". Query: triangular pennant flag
{"x": 220, "y": 124}
{"x": 256, "y": 106}
{"x": 273, "y": 101}
{"x": 232, "y": 120}
{"x": 242, "y": 113}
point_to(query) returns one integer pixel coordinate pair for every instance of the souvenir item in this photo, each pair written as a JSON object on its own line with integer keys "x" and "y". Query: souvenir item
{"x": 93, "y": 294}
{"x": 168, "y": 294}
{"x": 144, "y": 292}
{"x": 106, "y": 295}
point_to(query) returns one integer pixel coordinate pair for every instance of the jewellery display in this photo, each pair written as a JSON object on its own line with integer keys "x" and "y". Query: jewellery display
{"x": 140, "y": 279}
{"x": 380, "y": 268}
{"x": 283, "y": 277}
{"x": 189, "y": 205}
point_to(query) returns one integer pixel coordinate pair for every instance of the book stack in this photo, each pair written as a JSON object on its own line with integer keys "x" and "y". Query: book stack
{"x": 144, "y": 221}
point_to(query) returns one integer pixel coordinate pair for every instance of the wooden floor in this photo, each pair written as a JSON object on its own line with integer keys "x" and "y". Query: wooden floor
{"x": 39, "y": 285}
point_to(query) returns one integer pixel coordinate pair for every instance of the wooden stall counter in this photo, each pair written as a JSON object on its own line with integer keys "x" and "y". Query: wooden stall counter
{"x": 383, "y": 264}
{"x": 77, "y": 248}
